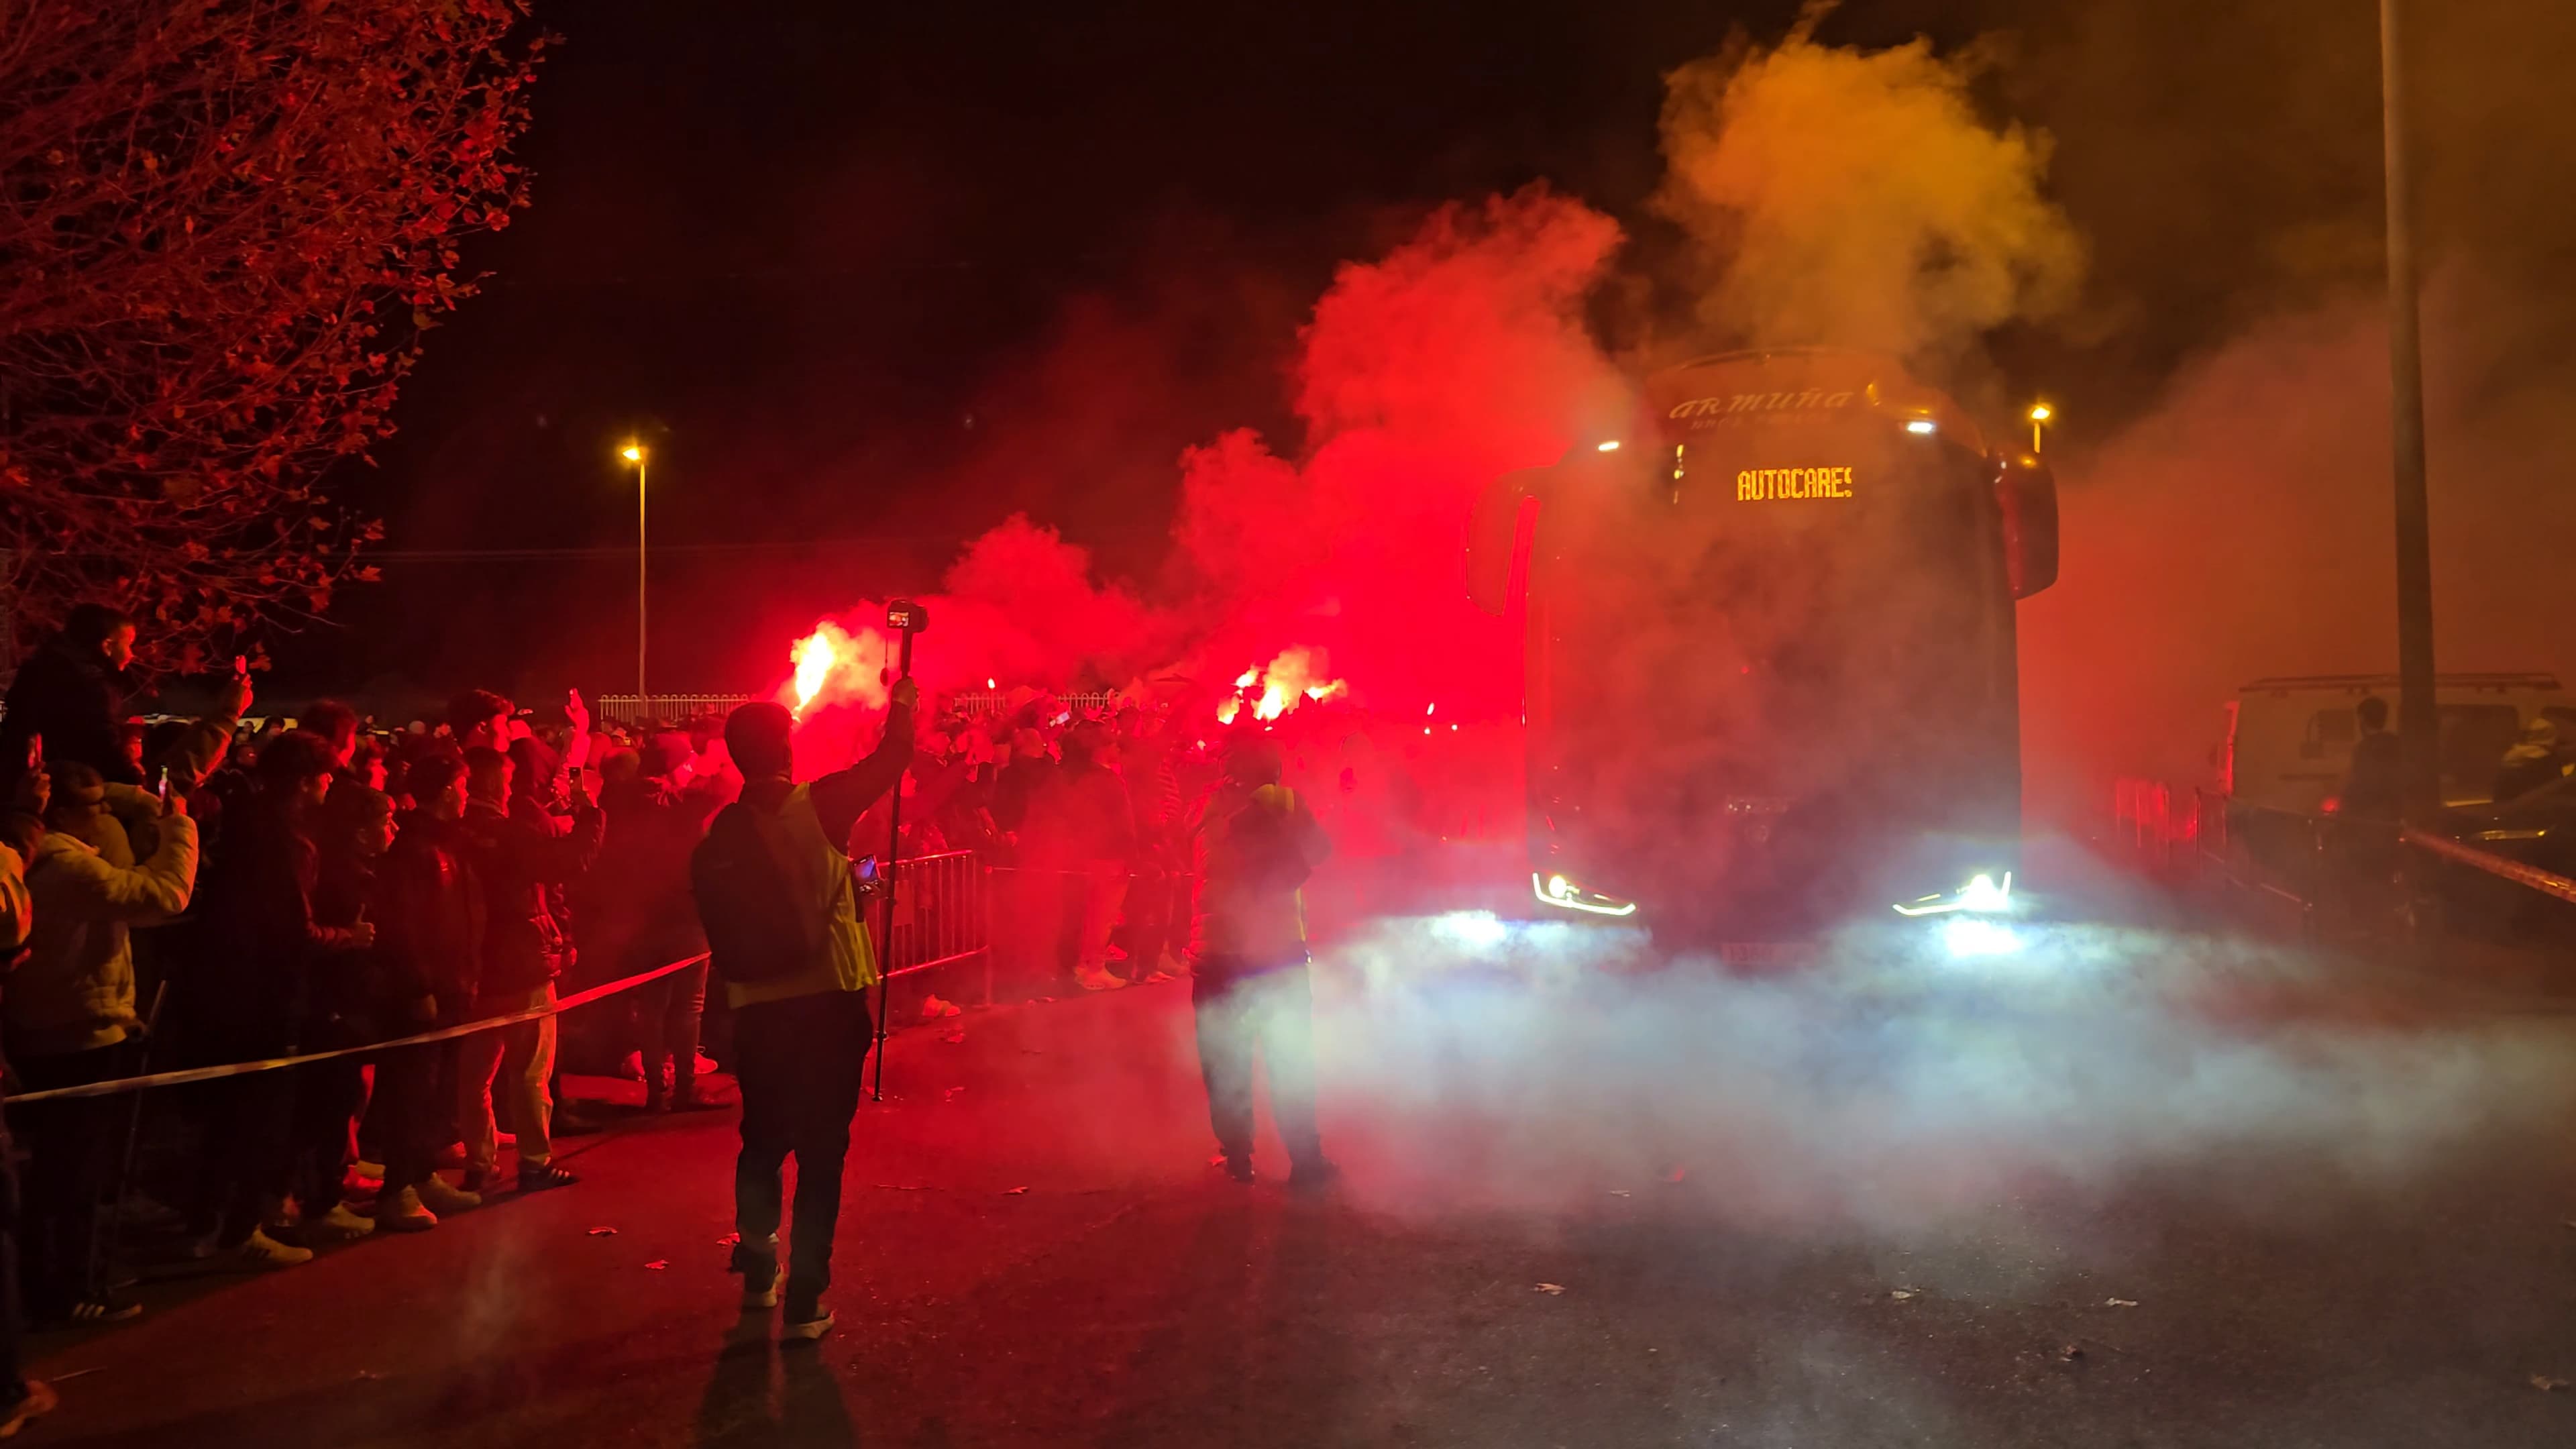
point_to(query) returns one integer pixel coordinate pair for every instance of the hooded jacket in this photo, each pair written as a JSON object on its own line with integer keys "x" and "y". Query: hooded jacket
{"x": 76, "y": 990}
{"x": 77, "y": 703}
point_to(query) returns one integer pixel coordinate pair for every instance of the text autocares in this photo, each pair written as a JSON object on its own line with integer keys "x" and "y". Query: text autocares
{"x": 1764, "y": 485}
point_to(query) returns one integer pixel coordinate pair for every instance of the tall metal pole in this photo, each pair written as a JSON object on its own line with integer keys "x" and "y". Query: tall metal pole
{"x": 642, "y": 706}
{"x": 2418, "y": 717}
{"x": 886, "y": 883}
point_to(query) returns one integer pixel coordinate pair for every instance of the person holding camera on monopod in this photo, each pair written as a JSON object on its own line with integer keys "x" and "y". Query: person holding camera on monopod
{"x": 774, "y": 891}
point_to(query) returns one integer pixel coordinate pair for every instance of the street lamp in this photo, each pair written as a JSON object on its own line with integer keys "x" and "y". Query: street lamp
{"x": 633, "y": 453}
{"x": 2040, "y": 413}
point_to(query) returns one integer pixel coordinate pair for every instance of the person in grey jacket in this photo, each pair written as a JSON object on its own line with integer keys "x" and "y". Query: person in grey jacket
{"x": 69, "y": 1011}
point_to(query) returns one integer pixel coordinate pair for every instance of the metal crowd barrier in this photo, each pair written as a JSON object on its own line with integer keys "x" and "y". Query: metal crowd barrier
{"x": 980, "y": 703}
{"x": 942, "y": 914}
{"x": 635, "y": 709}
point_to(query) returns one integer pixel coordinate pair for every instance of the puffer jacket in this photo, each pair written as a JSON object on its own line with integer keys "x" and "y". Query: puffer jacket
{"x": 76, "y": 990}
{"x": 522, "y": 859}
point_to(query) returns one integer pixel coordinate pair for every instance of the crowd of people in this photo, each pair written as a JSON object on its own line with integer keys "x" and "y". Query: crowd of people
{"x": 200, "y": 892}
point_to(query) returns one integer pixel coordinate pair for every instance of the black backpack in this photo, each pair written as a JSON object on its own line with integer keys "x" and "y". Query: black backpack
{"x": 757, "y": 929}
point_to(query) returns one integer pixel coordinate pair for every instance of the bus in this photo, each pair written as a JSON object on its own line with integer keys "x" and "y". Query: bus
{"x": 1770, "y": 678}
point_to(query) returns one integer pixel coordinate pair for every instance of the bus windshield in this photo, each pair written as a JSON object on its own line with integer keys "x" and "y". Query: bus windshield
{"x": 1773, "y": 641}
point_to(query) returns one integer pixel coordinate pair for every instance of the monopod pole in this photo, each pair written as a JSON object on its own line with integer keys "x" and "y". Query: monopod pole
{"x": 886, "y": 884}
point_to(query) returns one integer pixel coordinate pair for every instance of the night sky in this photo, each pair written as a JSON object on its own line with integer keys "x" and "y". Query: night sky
{"x": 869, "y": 279}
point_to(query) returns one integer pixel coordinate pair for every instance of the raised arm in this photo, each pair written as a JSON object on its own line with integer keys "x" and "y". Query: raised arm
{"x": 841, "y": 797}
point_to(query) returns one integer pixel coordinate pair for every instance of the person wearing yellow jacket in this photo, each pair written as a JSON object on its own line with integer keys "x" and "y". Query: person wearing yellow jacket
{"x": 1252, "y": 845}
{"x": 801, "y": 1027}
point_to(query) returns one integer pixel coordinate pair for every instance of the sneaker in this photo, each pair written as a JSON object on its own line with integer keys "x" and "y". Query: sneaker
{"x": 1238, "y": 1168}
{"x": 1314, "y": 1176}
{"x": 808, "y": 1321}
{"x": 364, "y": 1168}
{"x": 108, "y": 1308}
{"x": 759, "y": 1269}
{"x": 404, "y": 1212}
{"x": 543, "y": 1176}
{"x": 259, "y": 1250}
{"x": 40, "y": 1400}
{"x": 340, "y": 1222}
{"x": 1098, "y": 981}
{"x": 438, "y": 1197}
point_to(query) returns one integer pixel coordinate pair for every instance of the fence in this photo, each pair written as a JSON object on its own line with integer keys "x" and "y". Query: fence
{"x": 636, "y": 709}
{"x": 942, "y": 915}
{"x": 984, "y": 703}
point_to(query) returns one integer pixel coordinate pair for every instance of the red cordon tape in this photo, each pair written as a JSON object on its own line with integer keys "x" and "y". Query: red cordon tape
{"x": 121, "y": 1085}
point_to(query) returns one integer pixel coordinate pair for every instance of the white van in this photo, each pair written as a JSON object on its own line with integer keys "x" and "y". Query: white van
{"x": 2289, "y": 740}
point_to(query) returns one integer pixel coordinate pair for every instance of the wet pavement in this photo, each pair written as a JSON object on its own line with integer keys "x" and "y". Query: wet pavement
{"x": 2128, "y": 1187}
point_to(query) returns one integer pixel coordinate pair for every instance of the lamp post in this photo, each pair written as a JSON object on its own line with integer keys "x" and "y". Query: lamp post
{"x": 634, "y": 453}
{"x": 2040, "y": 413}
{"x": 2418, "y": 721}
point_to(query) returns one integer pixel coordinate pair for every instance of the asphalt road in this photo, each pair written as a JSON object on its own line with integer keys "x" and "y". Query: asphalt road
{"x": 2123, "y": 1187}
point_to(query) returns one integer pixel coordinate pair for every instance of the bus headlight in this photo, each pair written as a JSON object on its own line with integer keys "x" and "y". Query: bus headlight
{"x": 1555, "y": 890}
{"x": 1985, "y": 894}
{"x": 1970, "y": 936}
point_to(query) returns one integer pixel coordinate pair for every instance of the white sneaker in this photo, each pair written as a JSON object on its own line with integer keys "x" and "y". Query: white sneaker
{"x": 808, "y": 1328}
{"x": 404, "y": 1213}
{"x": 259, "y": 1250}
{"x": 1098, "y": 981}
{"x": 364, "y": 1168}
{"x": 438, "y": 1197}
{"x": 340, "y": 1222}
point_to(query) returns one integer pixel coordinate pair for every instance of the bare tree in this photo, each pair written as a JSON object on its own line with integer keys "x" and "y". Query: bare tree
{"x": 224, "y": 226}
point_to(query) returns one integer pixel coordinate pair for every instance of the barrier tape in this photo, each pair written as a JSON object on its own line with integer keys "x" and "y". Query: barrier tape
{"x": 120, "y": 1085}
{"x": 2531, "y": 876}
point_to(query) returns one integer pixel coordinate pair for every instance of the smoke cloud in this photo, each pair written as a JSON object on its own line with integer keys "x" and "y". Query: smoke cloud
{"x": 1884, "y": 1088}
{"x": 2244, "y": 528}
{"x": 1422, "y": 378}
{"x": 1855, "y": 198}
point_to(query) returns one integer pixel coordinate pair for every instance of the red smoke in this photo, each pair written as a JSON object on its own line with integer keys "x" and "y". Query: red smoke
{"x": 1422, "y": 378}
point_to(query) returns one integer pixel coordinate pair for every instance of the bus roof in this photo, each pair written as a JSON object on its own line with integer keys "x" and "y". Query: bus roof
{"x": 2286, "y": 683}
{"x": 1731, "y": 390}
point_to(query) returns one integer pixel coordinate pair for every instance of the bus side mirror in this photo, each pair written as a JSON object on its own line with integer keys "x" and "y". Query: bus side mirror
{"x": 1498, "y": 538}
{"x": 2027, "y": 493}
